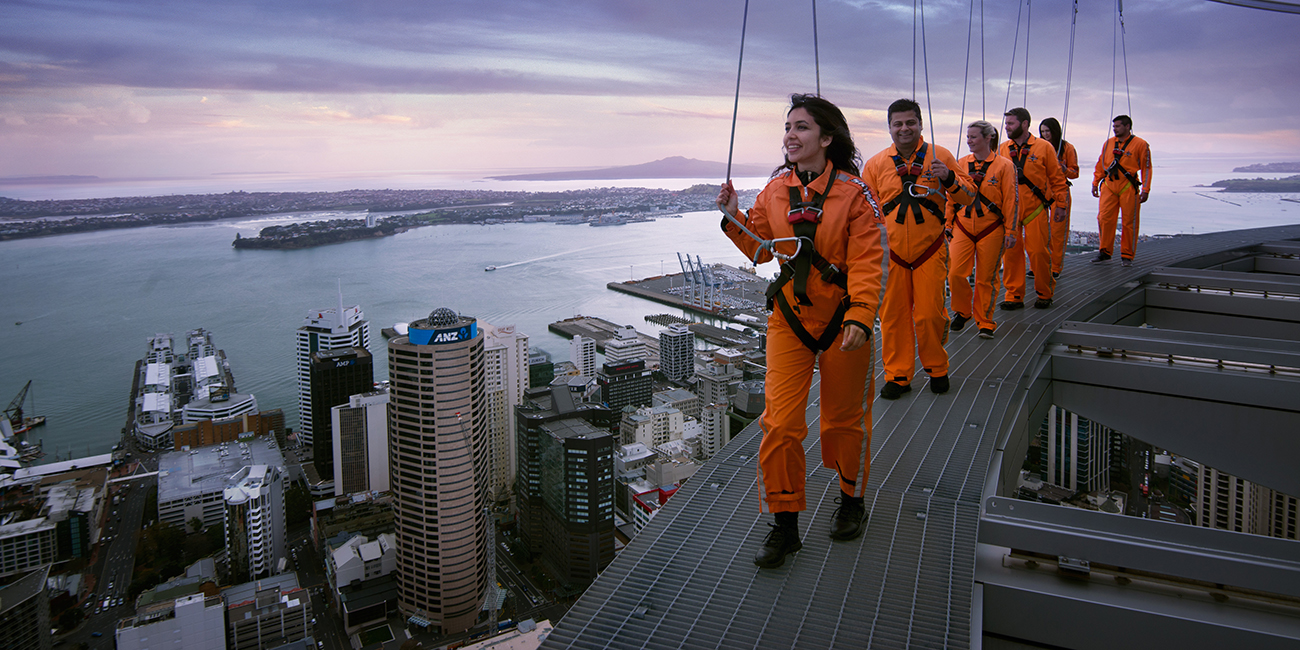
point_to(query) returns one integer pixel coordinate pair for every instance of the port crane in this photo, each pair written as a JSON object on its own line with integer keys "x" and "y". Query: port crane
{"x": 14, "y": 412}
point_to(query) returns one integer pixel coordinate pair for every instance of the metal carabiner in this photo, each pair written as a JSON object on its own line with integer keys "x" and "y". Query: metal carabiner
{"x": 765, "y": 244}
{"x": 928, "y": 191}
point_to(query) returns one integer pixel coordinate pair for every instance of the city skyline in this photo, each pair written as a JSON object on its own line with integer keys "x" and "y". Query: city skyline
{"x": 143, "y": 90}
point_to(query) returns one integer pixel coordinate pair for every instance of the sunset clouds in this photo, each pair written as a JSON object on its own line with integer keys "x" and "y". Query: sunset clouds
{"x": 164, "y": 88}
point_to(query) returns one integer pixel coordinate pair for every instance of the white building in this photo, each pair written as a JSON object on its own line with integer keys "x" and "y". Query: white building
{"x": 582, "y": 353}
{"x": 1227, "y": 502}
{"x": 677, "y": 352}
{"x": 193, "y": 622}
{"x": 715, "y": 429}
{"x": 28, "y": 544}
{"x": 505, "y": 379}
{"x": 651, "y": 426}
{"x": 192, "y": 483}
{"x": 360, "y": 559}
{"x": 625, "y": 345}
{"x": 361, "y": 444}
{"x": 221, "y": 408}
{"x": 323, "y": 330}
{"x": 255, "y": 522}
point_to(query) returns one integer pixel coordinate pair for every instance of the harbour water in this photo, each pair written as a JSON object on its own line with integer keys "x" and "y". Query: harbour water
{"x": 88, "y": 302}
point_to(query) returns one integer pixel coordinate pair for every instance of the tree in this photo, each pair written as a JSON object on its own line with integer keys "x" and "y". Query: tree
{"x": 71, "y": 618}
{"x": 297, "y": 504}
{"x": 196, "y": 525}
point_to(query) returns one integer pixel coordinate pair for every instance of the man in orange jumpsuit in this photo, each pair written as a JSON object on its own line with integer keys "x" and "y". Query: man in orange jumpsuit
{"x": 1041, "y": 184}
{"x": 1050, "y": 130}
{"x": 914, "y": 180}
{"x": 1115, "y": 181}
{"x": 980, "y": 231}
{"x": 834, "y": 280}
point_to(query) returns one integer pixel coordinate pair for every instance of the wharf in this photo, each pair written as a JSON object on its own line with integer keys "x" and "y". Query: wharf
{"x": 724, "y": 337}
{"x": 741, "y": 293}
{"x": 602, "y": 331}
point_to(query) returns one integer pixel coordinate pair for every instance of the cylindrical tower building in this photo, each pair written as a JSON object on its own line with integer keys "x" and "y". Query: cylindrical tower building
{"x": 438, "y": 465}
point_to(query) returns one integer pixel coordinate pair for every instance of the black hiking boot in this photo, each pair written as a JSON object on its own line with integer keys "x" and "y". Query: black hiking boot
{"x": 939, "y": 385}
{"x": 959, "y": 321}
{"x": 849, "y": 520}
{"x": 780, "y": 542}
{"x": 894, "y": 390}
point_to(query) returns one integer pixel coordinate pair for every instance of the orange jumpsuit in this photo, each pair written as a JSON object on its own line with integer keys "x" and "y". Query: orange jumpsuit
{"x": 1039, "y": 166}
{"x": 1117, "y": 192}
{"x": 1069, "y": 159}
{"x": 848, "y": 236}
{"x": 913, "y": 318}
{"x": 977, "y": 236}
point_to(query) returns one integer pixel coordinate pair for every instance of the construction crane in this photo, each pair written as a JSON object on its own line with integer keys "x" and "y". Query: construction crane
{"x": 14, "y": 412}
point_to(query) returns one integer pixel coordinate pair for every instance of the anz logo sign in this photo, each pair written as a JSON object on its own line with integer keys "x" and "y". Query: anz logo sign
{"x": 443, "y": 336}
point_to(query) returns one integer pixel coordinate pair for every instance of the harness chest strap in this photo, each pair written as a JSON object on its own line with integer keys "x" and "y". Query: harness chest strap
{"x": 909, "y": 172}
{"x": 977, "y": 174}
{"x": 1018, "y": 155}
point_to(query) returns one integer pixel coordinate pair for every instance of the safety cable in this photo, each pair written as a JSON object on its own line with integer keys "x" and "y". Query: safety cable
{"x": 1015, "y": 47}
{"x": 925, "y": 58}
{"x": 965, "y": 81}
{"x": 914, "y": 50}
{"x": 763, "y": 244}
{"x": 1114, "y": 57}
{"x": 1123, "y": 44}
{"x": 817, "y": 64}
{"x": 984, "y": 82}
{"x": 1069, "y": 75}
{"x": 1029, "y": 23}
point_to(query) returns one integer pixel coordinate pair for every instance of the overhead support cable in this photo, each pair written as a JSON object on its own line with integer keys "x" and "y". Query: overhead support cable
{"x": 1015, "y": 47}
{"x": 1029, "y": 22}
{"x": 1069, "y": 72}
{"x": 735, "y": 110}
{"x": 925, "y": 58}
{"x": 1128, "y": 95}
{"x": 817, "y": 64}
{"x": 965, "y": 80}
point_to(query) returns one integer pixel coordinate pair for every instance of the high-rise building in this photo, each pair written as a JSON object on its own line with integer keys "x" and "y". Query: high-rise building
{"x": 255, "y": 522}
{"x": 625, "y": 345}
{"x": 269, "y": 613}
{"x": 677, "y": 352}
{"x": 582, "y": 352}
{"x": 189, "y": 622}
{"x": 322, "y": 330}
{"x": 336, "y": 375}
{"x": 565, "y": 485}
{"x": 625, "y": 384}
{"x": 1076, "y": 451}
{"x": 716, "y": 429}
{"x": 437, "y": 432}
{"x": 540, "y": 368}
{"x": 717, "y": 380}
{"x": 505, "y": 380}
{"x": 25, "y": 612}
{"x": 652, "y": 426}
{"x": 361, "y": 443}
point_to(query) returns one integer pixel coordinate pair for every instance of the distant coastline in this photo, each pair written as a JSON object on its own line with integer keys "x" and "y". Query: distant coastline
{"x": 1288, "y": 184}
{"x": 672, "y": 167}
{"x": 1270, "y": 168}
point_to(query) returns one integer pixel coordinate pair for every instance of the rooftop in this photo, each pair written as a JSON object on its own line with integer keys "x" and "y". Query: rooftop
{"x": 207, "y": 469}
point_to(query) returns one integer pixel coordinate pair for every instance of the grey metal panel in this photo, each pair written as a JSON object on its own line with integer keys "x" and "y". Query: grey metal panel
{"x": 1280, "y": 248}
{"x": 1224, "y": 280}
{"x": 1287, "y": 266}
{"x": 1247, "y": 430}
{"x": 1236, "y": 315}
{"x": 1245, "y": 349}
{"x": 1047, "y": 610}
{"x": 1190, "y": 552}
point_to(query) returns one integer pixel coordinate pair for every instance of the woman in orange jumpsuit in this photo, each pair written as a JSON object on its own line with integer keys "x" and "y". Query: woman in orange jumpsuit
{"x": 825, "y": 306}
{"x": 1050, "y": 130}
{"x": 979, "y": 232}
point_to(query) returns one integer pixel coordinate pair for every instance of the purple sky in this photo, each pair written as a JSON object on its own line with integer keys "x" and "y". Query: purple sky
{"x": 172, "y": 88}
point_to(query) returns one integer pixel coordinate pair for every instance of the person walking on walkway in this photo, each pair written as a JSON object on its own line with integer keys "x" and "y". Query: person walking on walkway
{"x": 1041, "y": 184}
{"x": 978, "y": 233}
{"x": 915, "y": 180}
{"x": 1115, "y": 181}
{"x": 824, "y": 305}
{"x": 1050, "y": 130}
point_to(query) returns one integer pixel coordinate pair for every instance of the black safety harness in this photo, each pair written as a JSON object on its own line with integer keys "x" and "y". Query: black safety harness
{"x": 804, "y": 217}
{"x": 1019, "y": 153}
{"x": 1115, "y": 169}
{"x": 909, "y": 203}
{"x": 977, "y": 172}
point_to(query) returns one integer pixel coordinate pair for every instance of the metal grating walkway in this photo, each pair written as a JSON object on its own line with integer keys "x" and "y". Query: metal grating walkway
{"x": 686, "y": 581}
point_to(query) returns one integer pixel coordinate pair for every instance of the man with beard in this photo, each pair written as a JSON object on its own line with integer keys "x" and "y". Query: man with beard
{"x": 1115, "y": 182}
{"x": 1041, "y": 184}
{"x": 915, "y": 179}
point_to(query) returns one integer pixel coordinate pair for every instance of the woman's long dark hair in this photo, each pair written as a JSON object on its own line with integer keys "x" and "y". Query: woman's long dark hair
{"x": 1054, "y": 128}
{"x": 842, "y": 152}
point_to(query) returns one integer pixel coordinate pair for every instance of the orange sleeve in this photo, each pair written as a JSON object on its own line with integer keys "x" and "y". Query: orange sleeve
{"x": 1055, "y": 177}
{"x": 756, "y": 221}
{"x": 1070, "y": 161}
{"x": 866, "y": 260}
{"x": 1145, "y": 165}
{"x": 1010, "y": 203}
{"x": 963, "y": 188}
{"x": 1100, "y": 172}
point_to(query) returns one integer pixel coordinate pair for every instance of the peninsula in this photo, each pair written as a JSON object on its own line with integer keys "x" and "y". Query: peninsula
{"x": 1288, "y": 184}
